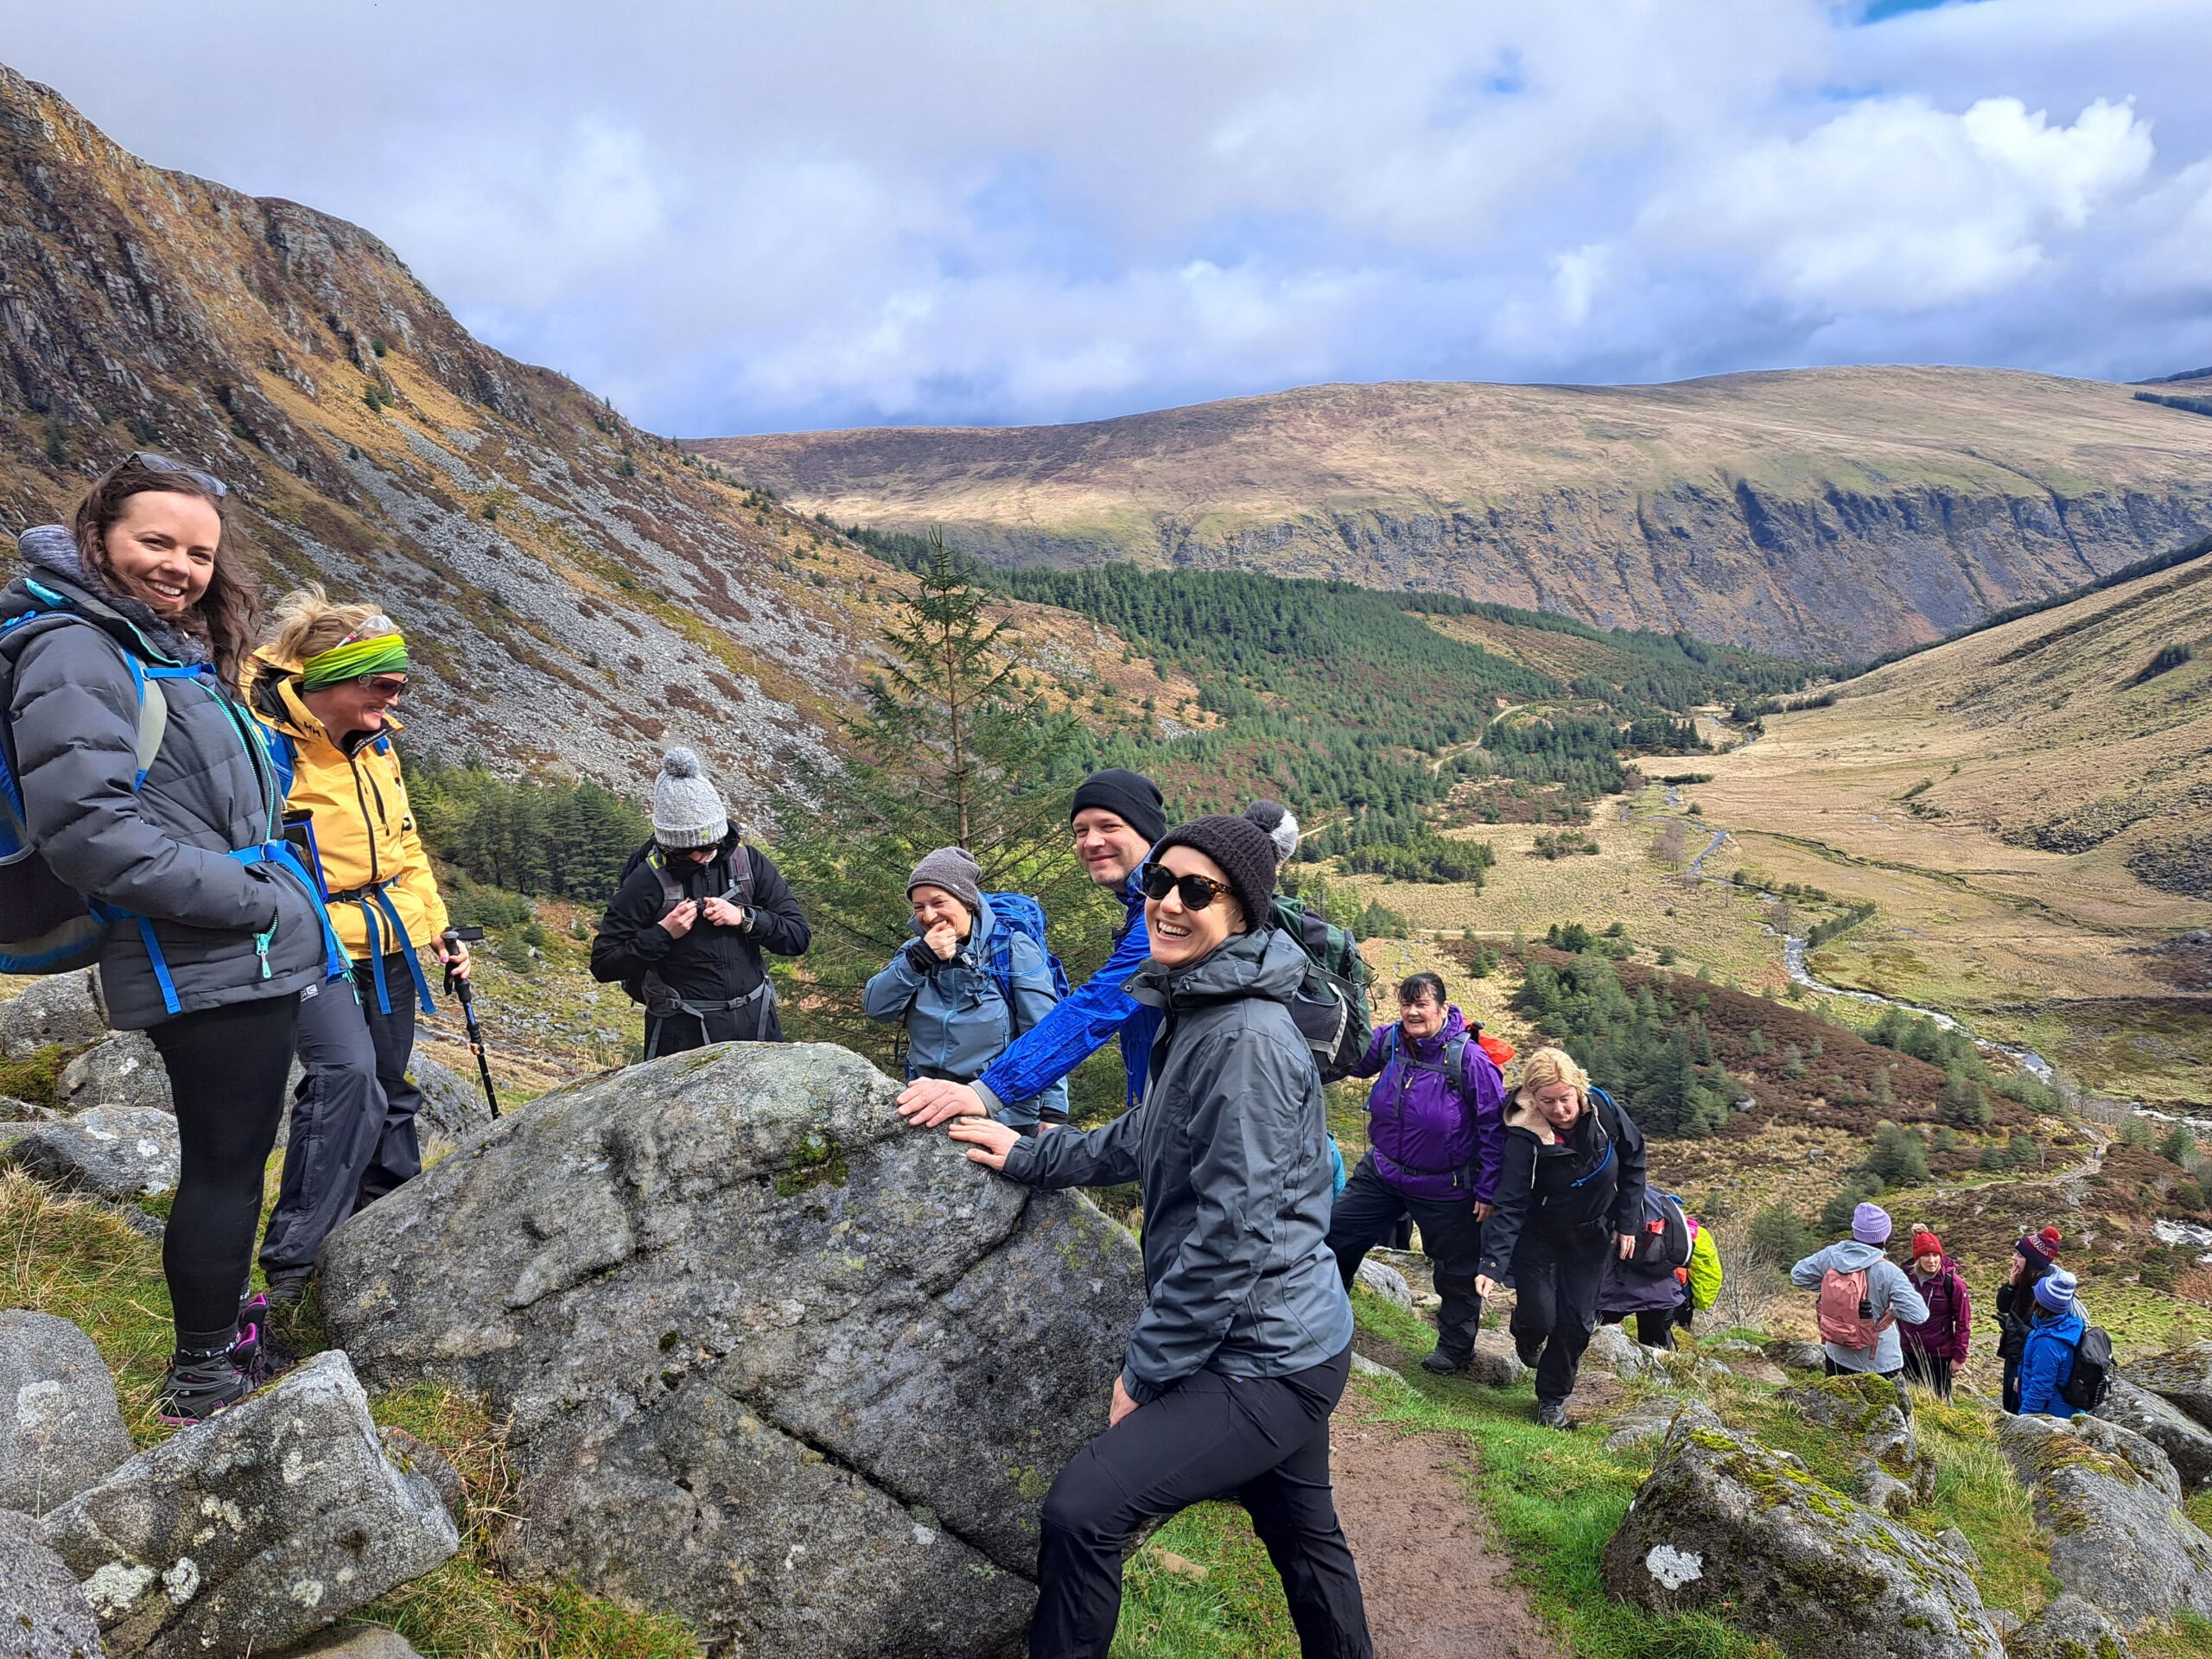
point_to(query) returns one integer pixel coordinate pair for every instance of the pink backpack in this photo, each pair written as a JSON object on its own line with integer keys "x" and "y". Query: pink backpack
{"x": 1843, "y": 1320}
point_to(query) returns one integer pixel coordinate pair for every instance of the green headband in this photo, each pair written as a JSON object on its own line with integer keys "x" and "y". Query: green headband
{"x": 385, "y": 654}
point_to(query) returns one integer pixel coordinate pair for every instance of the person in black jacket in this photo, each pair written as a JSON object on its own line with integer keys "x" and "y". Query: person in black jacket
{"x": 685, "y": 929}
{"x": 2033, "y": 1259}
{"x": 1569, "y": 1196}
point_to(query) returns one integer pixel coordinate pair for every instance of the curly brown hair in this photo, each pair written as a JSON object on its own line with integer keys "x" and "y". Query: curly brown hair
{"x": 224, "y": 617}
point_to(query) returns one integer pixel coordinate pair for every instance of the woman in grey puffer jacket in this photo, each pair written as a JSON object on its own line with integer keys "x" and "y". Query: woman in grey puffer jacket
{"x": 1245, "y": 1342}
{"x": 216, "y": 938}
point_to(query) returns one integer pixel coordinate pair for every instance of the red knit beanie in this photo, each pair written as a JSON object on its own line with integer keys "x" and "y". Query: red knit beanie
{"x": 1926, "y": 1244}
{"x": 2041, "y": 1247}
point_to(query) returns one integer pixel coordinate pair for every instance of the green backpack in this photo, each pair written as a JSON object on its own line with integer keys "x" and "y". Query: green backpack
{"x": 1331, "y": 1002}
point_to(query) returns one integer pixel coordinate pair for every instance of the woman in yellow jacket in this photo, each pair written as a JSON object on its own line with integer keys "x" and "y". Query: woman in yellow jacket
{"x": 323, "y": 687}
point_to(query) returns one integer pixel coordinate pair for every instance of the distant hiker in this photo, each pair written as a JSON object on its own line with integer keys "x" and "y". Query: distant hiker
{"x": 2033, "y": 1257}
{"x": 1940, "y": 1342}
{"x": 684, "y": 932}
{"x": 1245, "y": 1341}
{"x": 1702, "y": 1277}
{"x": 967, "y": 985}
{"x": 1864, "y": 1294}
{"x": 1653, "y": 1284}
{"x": 2056, "y": 1328}
{"x": 1115, "y": 817}
{"x": 1570, "y": 1199}
{"x": 1436, "y": 1129}
{"x": 214, "y": 928}
{"x": 324, "y": 688}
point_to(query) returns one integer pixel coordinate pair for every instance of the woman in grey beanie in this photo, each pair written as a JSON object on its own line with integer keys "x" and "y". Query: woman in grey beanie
{"x": 697, "y": 906}
{"x": 975, "y": 976}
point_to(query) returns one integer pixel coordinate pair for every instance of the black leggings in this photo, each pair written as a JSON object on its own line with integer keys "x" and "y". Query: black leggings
{"x": 226, "y": 1071}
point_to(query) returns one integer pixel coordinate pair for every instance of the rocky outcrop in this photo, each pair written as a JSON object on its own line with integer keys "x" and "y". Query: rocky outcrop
{"x": 61, "y": 1010}
{"x": 2186, "y": 1442}
{"x": 726, "y": 1299}
{"x": 357, "y": 1642}
{"x": 118, "y": 1154}
{"x": 1656, "y": 1419}
{"x": 2068, "y": 1628}
{"x": 2181, "y": 1378}
{"x": 451, "y": 1107}
{"x": 1724, "y": 1524}
{"x": 1382, "y": 1279}
{"x": 2110, "y": 1500}
{"x": 254, "y": 1530}
{"x": 123, "y": 1071}
{"x": 43, "y": 1615}
{"x": 1868, "y": 1411}
{"x": 60, "y": 1429}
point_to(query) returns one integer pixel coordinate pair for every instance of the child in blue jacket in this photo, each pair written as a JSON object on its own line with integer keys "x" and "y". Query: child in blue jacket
{"x": 2046, "y": 1362}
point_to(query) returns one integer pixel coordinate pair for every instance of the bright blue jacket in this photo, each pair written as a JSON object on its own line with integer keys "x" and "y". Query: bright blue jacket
{"x": 2047, "y": 1363}
{"x": 958, "y": 1018}
{"x": 1082, "y": 1022}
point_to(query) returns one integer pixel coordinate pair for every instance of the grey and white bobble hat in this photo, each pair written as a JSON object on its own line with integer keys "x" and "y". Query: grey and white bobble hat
{"x": 1281, "y": 823}
{"x": 687, "y": 810}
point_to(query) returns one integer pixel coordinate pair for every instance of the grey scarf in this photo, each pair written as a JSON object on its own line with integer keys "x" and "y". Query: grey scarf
{"x": 53, "y": 549}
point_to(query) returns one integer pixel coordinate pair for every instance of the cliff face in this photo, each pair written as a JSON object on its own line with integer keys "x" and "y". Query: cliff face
{"x": 579, "y": 592}
{"x": 1824, "y": 514}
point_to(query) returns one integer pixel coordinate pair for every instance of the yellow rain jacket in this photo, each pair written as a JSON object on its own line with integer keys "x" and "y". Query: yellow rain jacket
{"x": 372, "y": 858}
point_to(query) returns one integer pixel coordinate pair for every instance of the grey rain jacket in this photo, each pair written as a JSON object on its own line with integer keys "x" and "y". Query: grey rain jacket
{"x": 1888, "y": 1290}
{"x": 957, "y": 1015}
{"x": 1231, "y": 1144}
{"x": 158, "y": 851}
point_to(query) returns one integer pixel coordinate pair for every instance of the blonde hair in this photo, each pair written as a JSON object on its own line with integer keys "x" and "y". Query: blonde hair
{"x": 1545, "y": 1067}
{"x": 306, "y": 622}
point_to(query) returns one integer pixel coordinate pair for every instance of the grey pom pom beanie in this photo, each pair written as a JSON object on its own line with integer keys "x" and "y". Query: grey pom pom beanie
{"x": 1281, "y": 823}
{"x": 954, "y": 869}
{"x": 687, "y": 810}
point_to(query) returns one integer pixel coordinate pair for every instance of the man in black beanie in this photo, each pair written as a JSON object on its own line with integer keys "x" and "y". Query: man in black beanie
{"x": 1115, "y": 817}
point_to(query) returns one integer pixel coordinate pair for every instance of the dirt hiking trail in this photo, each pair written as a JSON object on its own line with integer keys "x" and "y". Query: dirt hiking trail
{"x": 1435, "y": 1586}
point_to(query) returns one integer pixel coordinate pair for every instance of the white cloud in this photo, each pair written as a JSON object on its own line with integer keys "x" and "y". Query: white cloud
{"x": 735, "y": 219}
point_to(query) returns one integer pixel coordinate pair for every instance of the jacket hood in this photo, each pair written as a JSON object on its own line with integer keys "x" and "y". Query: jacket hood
{"x": 1268, "y": 963}
{"x": 1531, "y": 1116}
{"x": 51, "y": 551}
{"x": 1431, "y": 1048}
{"x": 1850, "y": 1256}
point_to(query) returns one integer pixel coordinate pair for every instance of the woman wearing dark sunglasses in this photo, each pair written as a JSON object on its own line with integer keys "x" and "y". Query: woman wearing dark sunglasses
{"x": 1245, "y": 1342}
{"x": 325, "y": 687}
{"x": 214, "y": 931}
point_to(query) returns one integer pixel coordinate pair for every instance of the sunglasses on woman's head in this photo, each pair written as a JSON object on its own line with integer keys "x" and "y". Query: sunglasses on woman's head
{"x": 384, "y": 685}
{"x": 154, "y": 463}
{"x": 1198, "y": 891}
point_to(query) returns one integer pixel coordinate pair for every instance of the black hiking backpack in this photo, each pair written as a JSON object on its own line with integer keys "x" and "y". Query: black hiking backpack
{"x": 2091, "y": 1383}
{"x": 1330, "y": 1005}
{"x": 1663, "y": 1243}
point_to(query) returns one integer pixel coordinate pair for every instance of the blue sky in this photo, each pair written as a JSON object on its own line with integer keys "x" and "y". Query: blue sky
{"x": 739, "y": 219}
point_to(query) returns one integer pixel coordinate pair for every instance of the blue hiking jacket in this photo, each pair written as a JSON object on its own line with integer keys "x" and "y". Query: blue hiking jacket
{"x": 2047, "y": 1363}
{"x": 956, "y": 1014}
{"x": 1082, "y": 1022}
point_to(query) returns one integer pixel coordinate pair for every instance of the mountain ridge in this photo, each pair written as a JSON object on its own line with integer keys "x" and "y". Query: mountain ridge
{"x": 1832, "y": 513}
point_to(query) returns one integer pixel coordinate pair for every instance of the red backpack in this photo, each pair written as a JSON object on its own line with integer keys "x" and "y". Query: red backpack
{"x": 1847, "y": 1317}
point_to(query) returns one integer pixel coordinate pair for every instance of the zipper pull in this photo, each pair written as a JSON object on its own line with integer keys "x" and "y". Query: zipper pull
{"x": 261, "y": 950}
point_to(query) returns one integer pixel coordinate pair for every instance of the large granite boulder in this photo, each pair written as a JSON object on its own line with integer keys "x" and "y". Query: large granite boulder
{"x": 60, "y": 1429}
{"x": 2186, "y": 1442}
{"x": 1384, "y": 1280}
{"x": 43, "y": 1615}
{"x": 1727, "y": 1525}
{"x": 2110, "y": 1500}
{"x": 774, "y": 1361}
{"x": 1868, "y": 1411}
{"x": 1612, "y": 1349}
{"x": 1657, "y": 1418}
{"x": 115, "y": 1153}
{"x": 2182, "y": 1379}
{"x": 60, "y": 1009}
{"x": 254, "y": 1530}
{"x": 452, "y": 1106}
{"x": 2068, "y": 1628}
{"x": 125, "y": 1070}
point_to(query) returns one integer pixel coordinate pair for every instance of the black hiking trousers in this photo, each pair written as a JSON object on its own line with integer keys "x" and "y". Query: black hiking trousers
{"x": 1556, "y": 1277}
{"x": 1263, "y": 1441}
{"x": 1367, "y": 1213}
{"x": 227, "y": 1069}
{"x": 1654, "y": 1328}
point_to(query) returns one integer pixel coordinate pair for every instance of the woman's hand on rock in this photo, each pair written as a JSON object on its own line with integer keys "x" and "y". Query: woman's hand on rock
{"x": 987, "y": 1140}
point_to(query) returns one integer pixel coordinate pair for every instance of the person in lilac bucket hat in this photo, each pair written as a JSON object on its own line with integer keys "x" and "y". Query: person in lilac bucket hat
{"x": 1863, "y": 1296}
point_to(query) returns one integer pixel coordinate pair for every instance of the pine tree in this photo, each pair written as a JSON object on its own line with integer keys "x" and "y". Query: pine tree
{"x": 950, "y": 750}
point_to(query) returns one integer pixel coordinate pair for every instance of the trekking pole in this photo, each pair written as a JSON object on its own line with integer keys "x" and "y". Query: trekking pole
{"x": 459, "y": 988}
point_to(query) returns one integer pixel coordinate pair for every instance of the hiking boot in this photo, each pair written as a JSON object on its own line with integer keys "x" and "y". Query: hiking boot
{"x": 1440, "y": 1363}
{"x": 285, "y": 1290}
{"x": 200, "y": 1385}
{"x": 1552, "y": 1413}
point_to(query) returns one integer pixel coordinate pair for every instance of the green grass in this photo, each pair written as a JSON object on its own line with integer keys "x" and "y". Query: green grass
{"x": 36, "y": 1077}
{"x": 1237, "y": 1608}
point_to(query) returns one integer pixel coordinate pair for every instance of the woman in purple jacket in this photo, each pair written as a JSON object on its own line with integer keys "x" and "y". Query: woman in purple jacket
{"x": 1939, "y": 1342}
{"x": 1436, "y": 1128}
